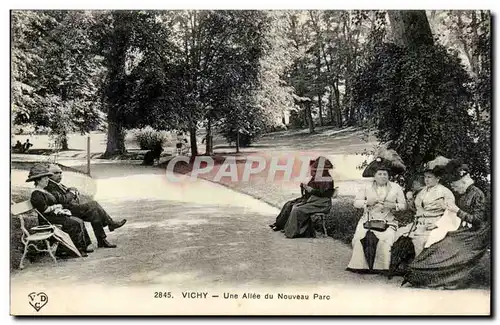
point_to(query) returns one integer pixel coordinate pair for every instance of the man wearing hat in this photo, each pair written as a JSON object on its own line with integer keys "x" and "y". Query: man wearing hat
{"x": 91, "y": 211}
{"x": 53, "y": 212}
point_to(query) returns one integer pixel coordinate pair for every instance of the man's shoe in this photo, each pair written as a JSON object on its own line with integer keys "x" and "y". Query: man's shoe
{"x": 116, "y": 225}
{"x": 105, "y": 244}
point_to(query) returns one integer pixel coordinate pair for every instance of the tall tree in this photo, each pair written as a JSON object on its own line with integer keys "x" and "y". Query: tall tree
{"x": 65, "y": 75}
{"x": 219, "y": 53}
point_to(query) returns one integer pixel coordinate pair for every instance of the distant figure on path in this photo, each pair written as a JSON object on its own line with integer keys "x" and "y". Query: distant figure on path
{"x": 153, "y": 155}
{"x": 18, "y": 147}
{"x": 27, "y": 145}
{"x": 181, "y": 141}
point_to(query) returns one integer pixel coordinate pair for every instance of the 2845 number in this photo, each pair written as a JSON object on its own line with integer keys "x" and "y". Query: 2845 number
{"x": 163, "y": 294}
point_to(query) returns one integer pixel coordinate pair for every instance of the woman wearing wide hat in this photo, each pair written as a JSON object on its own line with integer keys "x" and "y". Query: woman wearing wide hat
{"x": 45, "y": 203}
{"x": 450, "y": 262}
{"x": 376, "y": 230}
{"x": 430, "y": 203}
{"x": 295, "y": 216}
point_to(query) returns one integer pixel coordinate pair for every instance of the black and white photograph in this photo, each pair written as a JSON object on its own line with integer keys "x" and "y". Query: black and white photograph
{"x": 292, "y": 162}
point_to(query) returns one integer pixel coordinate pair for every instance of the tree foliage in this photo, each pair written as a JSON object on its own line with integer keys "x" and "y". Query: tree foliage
{"x": 57, "y": 77}
{"x": 426, "y": 93}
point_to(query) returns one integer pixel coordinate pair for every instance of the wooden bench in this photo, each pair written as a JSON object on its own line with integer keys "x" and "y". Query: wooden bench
{"x": 36, "y": 235}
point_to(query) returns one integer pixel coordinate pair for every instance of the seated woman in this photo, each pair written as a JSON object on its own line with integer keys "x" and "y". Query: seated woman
{"x": 449, "y": 263}
{"x": 311, "y": 188}
{"x": 45, "y": 203}
{"x": 379, "y": 199}
{"x": 295, "y": 218}
{"x": 429, "y": 204}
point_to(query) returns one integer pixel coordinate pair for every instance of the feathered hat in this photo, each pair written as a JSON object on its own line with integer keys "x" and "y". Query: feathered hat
{"x": 385, "y": 159}
{"x": 455, "y": 170}
{"x": 437, "y": 166}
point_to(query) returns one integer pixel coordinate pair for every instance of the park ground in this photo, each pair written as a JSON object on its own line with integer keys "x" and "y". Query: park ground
{"x": 204, "y": 237}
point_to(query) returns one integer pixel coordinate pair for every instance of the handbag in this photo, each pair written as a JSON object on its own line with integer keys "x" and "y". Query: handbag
{"x": 375, "y": 224}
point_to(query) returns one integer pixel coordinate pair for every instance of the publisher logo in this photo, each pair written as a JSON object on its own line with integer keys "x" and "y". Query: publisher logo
{"x": 38, "y": 300}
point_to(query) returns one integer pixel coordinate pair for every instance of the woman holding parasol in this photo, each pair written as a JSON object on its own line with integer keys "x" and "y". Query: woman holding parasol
{"x": 376, "y": 230}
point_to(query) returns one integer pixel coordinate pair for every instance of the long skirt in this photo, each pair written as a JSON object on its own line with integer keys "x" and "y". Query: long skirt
{"x": 420, "y": 232}
{"x": 299, "y": 223}
{"x": 383, "y": 251}
{"x": 450, "y": 262}
{"x": 74, "y": 227}
{"x": 284, "y": 214}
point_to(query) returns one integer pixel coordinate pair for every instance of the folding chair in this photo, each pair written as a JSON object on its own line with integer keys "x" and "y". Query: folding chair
{"x": 320, "y": 217}
{"x": 42, "y": 234}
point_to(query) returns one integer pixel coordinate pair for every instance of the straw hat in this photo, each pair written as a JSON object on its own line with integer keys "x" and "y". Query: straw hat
{"x": 38, "y": 171}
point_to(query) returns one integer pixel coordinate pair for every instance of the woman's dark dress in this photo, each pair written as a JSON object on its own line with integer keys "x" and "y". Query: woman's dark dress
{"x": 295, "y": 216}
{"x": 449, "y": 262}
{"x": 73, "y": 226}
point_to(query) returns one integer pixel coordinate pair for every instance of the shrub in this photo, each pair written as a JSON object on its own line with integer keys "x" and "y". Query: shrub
{"x": 147, "y": 137}
{"x": 343, "y": 218}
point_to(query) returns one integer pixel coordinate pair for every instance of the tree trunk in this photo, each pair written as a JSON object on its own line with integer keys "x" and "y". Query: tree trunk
{"x": 194, "y": 144}
{"x": 64, "y": 141}
{"x": 337, "y": 102}
{"x": 330, "y": 107}
{"x": 116, "y": 139}
{"x": 237, "y": 141}
{"x": 410, "y": 28}
{"x": 309, "y": 117}
{"x": 306, "y": 117}
{"x": 208, "y": 139}
{"x": 320, "y": 108}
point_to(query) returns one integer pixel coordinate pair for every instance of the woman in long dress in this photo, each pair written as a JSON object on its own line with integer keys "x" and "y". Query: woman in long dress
{"x": 429, "y": 204}
{"x": 380, "y": 199}
{"x": 317, "y": 198}
{"x": 450, "y": 262}
{"x": 47, "y": 205}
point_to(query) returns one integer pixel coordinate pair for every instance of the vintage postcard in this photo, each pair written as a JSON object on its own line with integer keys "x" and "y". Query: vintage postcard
{"x": 250, "y": 162}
